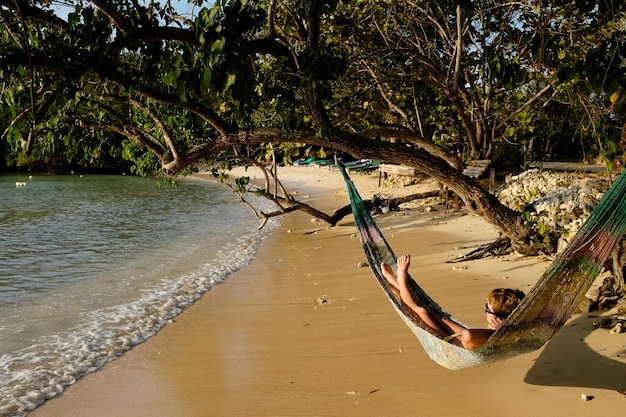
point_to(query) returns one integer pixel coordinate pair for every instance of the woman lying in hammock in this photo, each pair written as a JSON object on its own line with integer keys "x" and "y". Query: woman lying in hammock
{"x": 500, "y": 303}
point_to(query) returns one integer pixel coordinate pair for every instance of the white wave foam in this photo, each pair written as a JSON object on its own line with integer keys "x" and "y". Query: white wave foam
{"x": 32, "y": 375}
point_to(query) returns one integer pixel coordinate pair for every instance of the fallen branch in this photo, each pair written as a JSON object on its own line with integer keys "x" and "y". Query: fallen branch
{"x": 287, "y": 204}
{"x": 498, "y": 247}
{"x": 393, "y": 203}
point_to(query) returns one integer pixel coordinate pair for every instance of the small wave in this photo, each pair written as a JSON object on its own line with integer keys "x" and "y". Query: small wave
{"x": 31, "y": 376}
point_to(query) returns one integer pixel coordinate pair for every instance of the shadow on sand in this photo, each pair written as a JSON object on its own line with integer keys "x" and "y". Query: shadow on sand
{"x": 568, "y": 360}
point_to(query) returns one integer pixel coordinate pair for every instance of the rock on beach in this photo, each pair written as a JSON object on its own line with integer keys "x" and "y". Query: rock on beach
{"x": 559, "y": 200}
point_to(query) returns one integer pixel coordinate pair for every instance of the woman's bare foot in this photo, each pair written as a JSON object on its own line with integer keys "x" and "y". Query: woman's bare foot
{"x": 404, "y": 261}
{"x": 389, "y": 274}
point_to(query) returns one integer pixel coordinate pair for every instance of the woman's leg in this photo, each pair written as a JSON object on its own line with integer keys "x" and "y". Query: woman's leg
{"x": 400, "y": 283}
{"x": 391, "y": 278}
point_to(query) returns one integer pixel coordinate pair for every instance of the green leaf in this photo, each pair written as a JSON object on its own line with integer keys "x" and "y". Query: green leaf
{"x": 73, "y": 19}
{"x": 542, "y": 228}
{"x": 211, "y": 17}
{"x": 170, "y": 77}
{"x": 206, "y": 78}
{"x": 218, "y": 46}
{"x": 230, "y": 81}
{"x": 9, "y": 97}
{"x": 182, "y": 91}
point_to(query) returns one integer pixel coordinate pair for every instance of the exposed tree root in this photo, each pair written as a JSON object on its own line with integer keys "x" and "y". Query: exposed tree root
{"x": 500, "y": 246}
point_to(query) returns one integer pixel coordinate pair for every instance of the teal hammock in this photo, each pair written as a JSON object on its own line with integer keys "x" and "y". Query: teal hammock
{"x": 544, "y": 310}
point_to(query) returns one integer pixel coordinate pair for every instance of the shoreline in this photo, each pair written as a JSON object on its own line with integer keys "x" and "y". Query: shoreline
{"x": 303, "y": 331}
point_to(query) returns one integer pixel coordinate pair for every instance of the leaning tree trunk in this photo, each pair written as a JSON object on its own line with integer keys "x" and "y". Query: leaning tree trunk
{"x": 475, "y": 197}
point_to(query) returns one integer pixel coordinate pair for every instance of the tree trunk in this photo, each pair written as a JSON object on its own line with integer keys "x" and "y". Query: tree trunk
{"x": 475, "y": 197}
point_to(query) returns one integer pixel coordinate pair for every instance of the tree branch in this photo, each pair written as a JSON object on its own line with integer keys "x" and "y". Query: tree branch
{"x": 458, "y": 49}
{"x": 524, "y": 106}
{"x": 36, "y": 14}
{"x": 167, "y": 137}
{"x": 112, "y": 12}
{"x": 390, "y": 104}
{"x": 199, "y": 109}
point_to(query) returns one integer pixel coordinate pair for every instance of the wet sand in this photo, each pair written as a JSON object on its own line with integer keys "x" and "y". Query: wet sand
{"x": 304, "y": 331}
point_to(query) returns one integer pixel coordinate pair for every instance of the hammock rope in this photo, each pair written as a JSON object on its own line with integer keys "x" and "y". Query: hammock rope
{"x": 543, "y": 311}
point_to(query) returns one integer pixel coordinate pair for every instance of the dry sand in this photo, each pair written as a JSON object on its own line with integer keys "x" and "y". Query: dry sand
{"x": 303, "y": 331}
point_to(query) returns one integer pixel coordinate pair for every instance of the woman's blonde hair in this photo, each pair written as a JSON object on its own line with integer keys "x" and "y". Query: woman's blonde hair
{"x": 504, "y": 300}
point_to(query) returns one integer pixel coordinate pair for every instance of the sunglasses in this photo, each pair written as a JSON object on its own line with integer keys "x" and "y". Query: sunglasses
{"x": 492, "y": 313}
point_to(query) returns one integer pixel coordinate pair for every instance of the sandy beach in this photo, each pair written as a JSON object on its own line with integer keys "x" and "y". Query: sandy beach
{"x": 305, "y": 331}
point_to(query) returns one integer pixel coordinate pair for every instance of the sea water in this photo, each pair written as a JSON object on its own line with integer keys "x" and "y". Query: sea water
{"x": 93, "y": 265}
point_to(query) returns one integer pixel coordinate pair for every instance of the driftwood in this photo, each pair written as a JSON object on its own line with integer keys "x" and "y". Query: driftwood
{"x": 393, "y": 203}
{"x": 374, "y": 205}
{"x": 287, "y": 203}
{"x": 500, "y": 246}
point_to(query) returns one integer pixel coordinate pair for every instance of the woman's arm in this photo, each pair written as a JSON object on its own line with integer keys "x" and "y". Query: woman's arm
{"x": 475, "y": 338}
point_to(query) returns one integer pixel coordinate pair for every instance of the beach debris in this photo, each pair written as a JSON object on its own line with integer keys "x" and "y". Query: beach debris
{"x": 362, "y": 265}
{"x": 615, "y": 324}
{"x": 322, "y": 301}
{"x": 398, "y": 181}
{"x": 459, "y": 268}
{"x": 351, "y": 392}
{"x": 616, "y": 329}
{"x": 20, "y": 184}
{"x": 556, "y": 200}
{"x": 586, "y": 397}
{"x": 606, "y": 323}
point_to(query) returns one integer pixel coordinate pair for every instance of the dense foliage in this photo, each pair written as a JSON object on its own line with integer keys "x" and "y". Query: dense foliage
{"x": 86, "y": 82}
